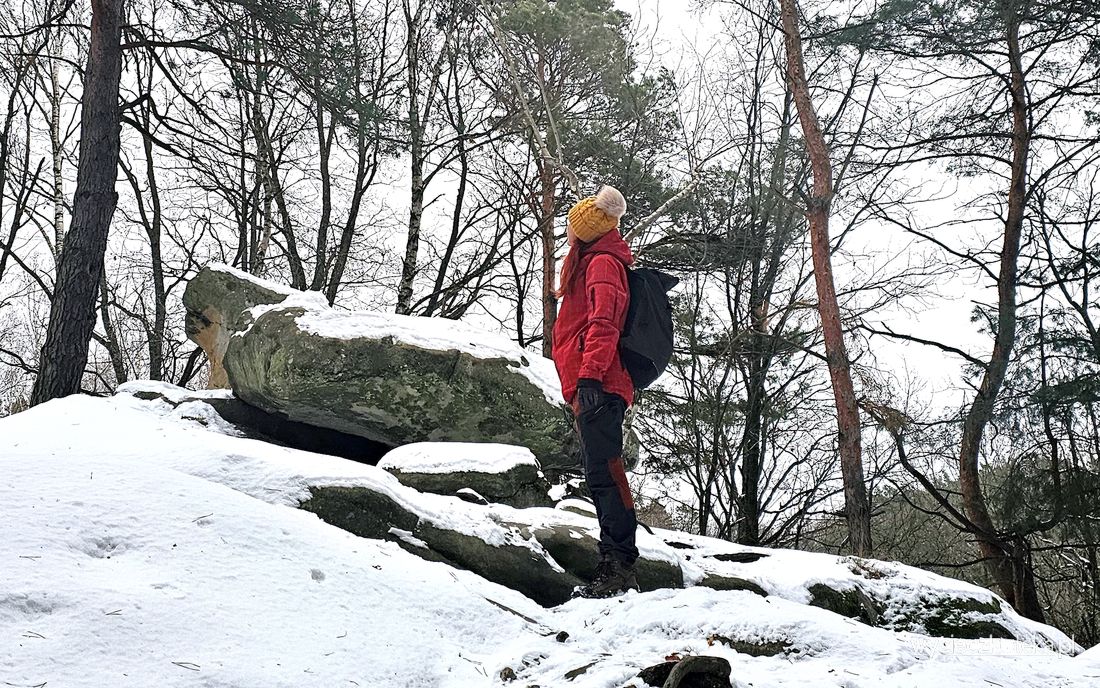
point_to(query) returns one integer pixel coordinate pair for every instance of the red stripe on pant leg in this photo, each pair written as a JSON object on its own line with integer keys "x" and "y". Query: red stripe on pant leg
{"x": 618, "y": 474}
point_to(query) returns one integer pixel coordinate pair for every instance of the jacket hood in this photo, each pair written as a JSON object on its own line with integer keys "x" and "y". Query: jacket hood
{"x": 612, "y": 244}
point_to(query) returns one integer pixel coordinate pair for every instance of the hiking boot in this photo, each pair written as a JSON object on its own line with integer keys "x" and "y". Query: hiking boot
{"x": 612, "y": 578}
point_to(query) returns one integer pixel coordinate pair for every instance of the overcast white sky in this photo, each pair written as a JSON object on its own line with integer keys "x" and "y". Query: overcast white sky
{"x": 676, "y": 24}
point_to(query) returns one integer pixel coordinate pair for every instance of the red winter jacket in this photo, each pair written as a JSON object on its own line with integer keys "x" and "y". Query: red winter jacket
{"x": 592, "y": 315}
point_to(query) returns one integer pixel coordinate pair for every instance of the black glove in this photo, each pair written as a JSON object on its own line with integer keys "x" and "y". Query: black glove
{"x": 589, "y": 394}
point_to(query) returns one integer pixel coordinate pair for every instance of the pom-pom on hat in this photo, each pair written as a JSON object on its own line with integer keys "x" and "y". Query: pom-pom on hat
{"x": 594, "y": 216}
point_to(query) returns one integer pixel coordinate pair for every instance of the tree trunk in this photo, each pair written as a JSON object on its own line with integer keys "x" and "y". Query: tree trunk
{"x": 748, "y": 518}
{"x": 459, "y": 122}
{"x": 160, "y": 296}
{"x": 549, "y": 262}
{"x": 412, "y": 243}
{"x": 416, "y": 153}
{"x": 55, "y": 149}
{"x": 110, "y": 339}
{"x": 325, "y": 134}
{"x": 72, "y": 312}
{"x": 1006, "y": 564}
{"x": 817, "y": 214}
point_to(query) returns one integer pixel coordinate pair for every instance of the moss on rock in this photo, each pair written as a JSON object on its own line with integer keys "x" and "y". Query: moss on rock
{"x": 952, "y": 617}
{"x": 359, "y": 510}
{"x": 853, "y": 602}
{"x": 715, "y": 581}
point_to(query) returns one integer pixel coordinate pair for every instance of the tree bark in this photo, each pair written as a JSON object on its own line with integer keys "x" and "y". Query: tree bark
{"x": 72, "y": 312}
{"x": 817, "y": 214}
{"x": 154, "y": 228}
{"x": 325, "y": 134}
{"x": 416, "y": 197}
{"x": 456, "y": 227}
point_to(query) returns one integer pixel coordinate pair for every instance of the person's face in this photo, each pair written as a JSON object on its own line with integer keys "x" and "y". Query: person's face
{"x": 570, "y": 236}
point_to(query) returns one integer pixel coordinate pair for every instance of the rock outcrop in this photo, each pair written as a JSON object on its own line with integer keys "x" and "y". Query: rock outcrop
{"x": 538, "y": 552}
{"x": 391, "y": 379}
{"x": 542, "y": 559}
{"x": 394, "y": 381}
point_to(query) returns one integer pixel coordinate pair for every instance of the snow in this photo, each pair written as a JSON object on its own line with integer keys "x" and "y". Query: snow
{"x": 619, "y": 637}
{"x": 408, "y": 538}
{"x": 141, "y": 545}
{"x": 171, "y": 392}
{"x": 121, "y": 574}
{"x": 576, "y": 505}
{"x": 1091, "y": 655}
{"x": 455, "y": 457}
{"x": 125, "y": 428}
{"x": 471, "y": 495}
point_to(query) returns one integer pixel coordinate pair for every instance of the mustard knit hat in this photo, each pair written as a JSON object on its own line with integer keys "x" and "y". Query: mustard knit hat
{"x": 597, "y": 215}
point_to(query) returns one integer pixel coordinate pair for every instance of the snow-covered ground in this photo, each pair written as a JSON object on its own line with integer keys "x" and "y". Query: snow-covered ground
{"x": 144, "y": 545}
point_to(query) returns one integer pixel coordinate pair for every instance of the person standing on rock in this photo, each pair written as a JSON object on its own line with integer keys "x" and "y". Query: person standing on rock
{"x": 594, "y": 297}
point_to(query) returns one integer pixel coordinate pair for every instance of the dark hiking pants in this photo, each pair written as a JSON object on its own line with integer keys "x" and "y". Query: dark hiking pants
{"x": 601, "y": 433}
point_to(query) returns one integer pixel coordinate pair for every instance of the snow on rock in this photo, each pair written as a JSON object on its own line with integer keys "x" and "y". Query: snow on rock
{"x": 128, "y": 429}
{"x": 457, "y": 457}
{"x": 440, "y": 334}
{"x": 150, "y": 389}
{"x": 258, "y": 281}
{"x": 433, "y": 333}
{"x": 492, "y": 472}
{"x": 577, "y": 506}
{"x": 904, "y": 594}
{"x": 153, "y": 432}
{"x": 778, "y": 643}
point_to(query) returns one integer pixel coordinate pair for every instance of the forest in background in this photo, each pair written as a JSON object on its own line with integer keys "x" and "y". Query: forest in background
{"x": 418, "y": 158}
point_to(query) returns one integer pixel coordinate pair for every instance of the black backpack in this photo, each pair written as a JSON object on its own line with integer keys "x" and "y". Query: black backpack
{"x": 645, "y": 345}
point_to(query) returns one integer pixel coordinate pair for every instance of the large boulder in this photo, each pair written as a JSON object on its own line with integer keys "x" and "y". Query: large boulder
{"x": 392, "y": 379}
